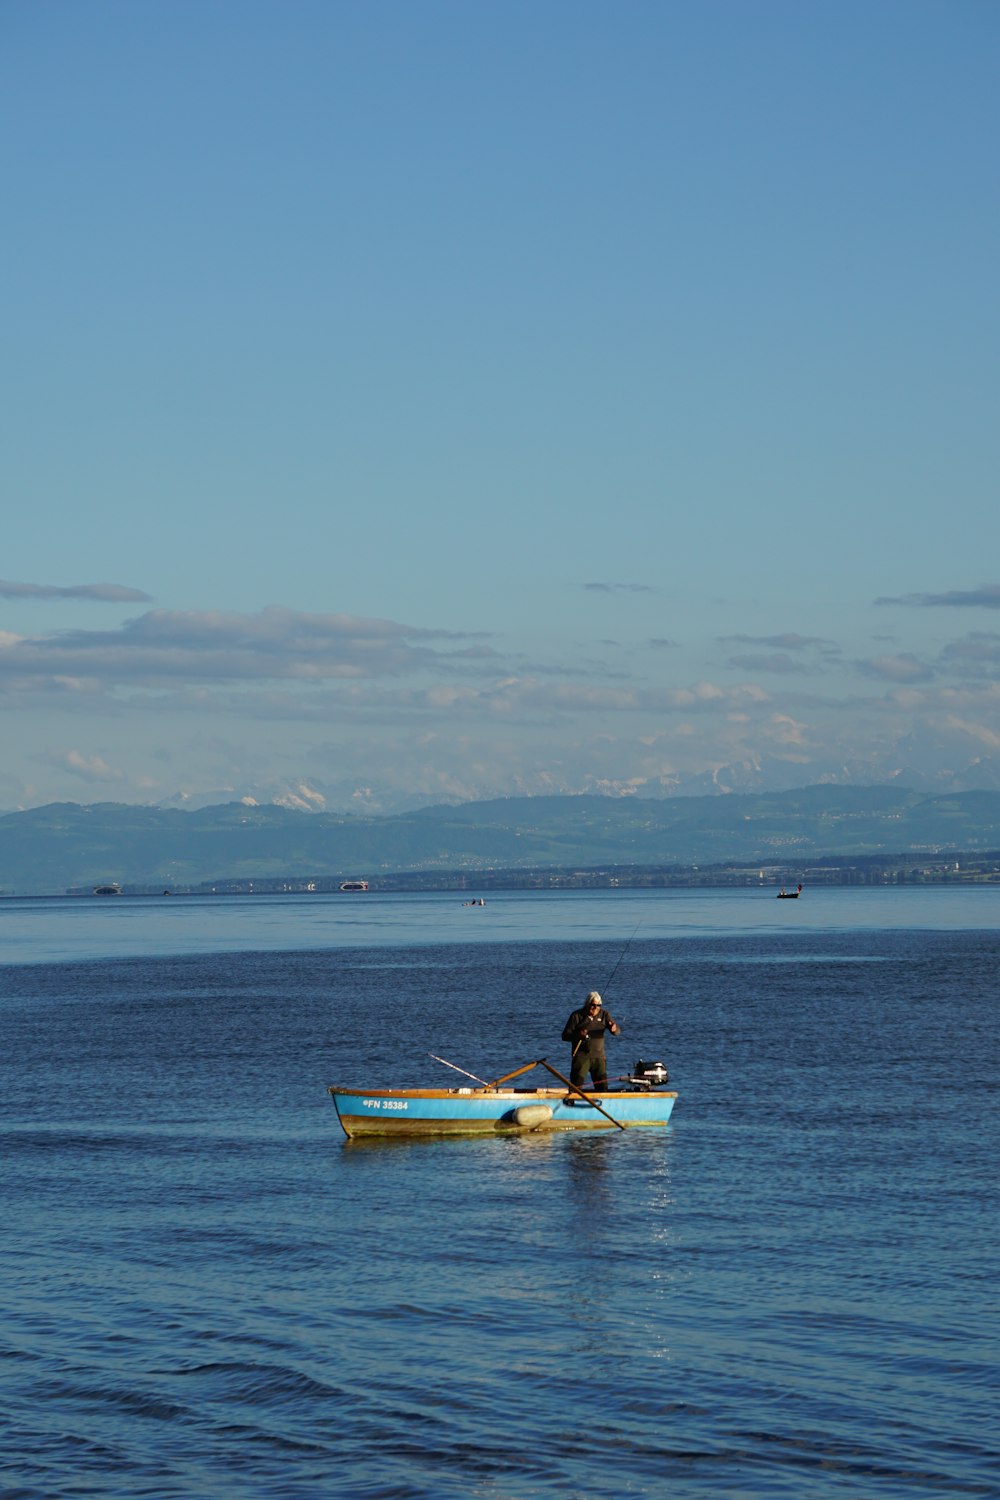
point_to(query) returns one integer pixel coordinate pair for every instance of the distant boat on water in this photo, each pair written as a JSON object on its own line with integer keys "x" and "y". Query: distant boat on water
{"x": 784, "y": 895}
{"x": 354, "y": 885}
{"x": 107, "y": 890}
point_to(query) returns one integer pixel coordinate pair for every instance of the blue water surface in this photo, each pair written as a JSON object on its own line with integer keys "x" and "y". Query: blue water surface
{"x": 208, "y": 1292}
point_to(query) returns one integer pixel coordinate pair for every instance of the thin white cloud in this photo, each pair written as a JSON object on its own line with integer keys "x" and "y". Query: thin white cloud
{"x": 976, "y": 655}
{"x": 784, "y": 730}
{"x": 621, "y": 588}
{"x": 90, "y": 768}
{"x": 778, "y": 661}
{"x": 105, "y": 593}
{"x": 786, "y": 641}
{"x": 471, "y": 722}
{"x": 979, "y": 734}
{"x": 275, "y": 643}
{"x": 901, "y": 668}
{"x": 985, "y": 597}
{"x": 517, "y": 698}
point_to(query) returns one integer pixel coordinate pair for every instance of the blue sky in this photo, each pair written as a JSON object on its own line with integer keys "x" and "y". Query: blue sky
{"x": 405, "y": 401}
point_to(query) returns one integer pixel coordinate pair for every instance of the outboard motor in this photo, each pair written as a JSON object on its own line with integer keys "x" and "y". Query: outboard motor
{"x": 650, "y": 1075}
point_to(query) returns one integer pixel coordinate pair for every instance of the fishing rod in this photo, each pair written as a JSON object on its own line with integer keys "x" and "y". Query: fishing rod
{"x": 611, "y": 976}
{"x": 458, "y": 1069}
{"x": 618, "y": 965}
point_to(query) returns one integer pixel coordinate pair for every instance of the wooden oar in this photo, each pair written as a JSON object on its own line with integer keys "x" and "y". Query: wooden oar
{"x": 577, "y": 1090}
{"x": 540, "y": 1062}
{"x": 516, "y": 1073}
{"x": 496, "y": 1082}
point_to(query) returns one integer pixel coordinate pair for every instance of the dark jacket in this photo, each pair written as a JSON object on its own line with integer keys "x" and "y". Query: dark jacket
{"x": 592, "y": 1028}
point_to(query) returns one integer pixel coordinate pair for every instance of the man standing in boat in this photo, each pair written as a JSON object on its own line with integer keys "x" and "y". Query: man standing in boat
{"x": 585, "y": 1029}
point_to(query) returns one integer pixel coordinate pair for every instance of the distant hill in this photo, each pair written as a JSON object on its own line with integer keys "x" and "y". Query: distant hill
{"x": 63, "y": 846}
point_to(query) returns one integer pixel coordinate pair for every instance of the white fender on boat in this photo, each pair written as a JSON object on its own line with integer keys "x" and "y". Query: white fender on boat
{"x": 532, "y": 1114}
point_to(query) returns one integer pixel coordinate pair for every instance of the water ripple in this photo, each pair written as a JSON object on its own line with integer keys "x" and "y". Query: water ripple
{"x": 209, "y": 1293}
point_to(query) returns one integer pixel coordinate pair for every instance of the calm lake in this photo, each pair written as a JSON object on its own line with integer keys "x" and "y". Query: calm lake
{"x": 790, "y": 1291}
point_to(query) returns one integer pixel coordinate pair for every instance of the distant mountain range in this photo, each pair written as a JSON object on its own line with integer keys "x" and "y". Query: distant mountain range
{"x": 67, "y": 846}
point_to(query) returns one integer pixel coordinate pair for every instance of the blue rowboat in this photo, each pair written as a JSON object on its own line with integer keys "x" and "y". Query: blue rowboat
{"x": 494, "y": 1110}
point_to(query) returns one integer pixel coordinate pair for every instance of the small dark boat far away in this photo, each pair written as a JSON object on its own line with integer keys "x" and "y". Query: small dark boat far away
{"x": 784, "y": 895}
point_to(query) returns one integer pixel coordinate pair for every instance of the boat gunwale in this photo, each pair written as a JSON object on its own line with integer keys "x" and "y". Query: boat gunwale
{"x": 486, "y": 1093}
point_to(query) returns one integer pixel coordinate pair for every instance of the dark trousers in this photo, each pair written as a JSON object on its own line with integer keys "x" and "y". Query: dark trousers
{"x": 590, "y": 1059}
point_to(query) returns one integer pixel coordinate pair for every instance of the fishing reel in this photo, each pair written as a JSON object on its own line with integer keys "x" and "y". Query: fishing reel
{"x": 650, "y": 1075}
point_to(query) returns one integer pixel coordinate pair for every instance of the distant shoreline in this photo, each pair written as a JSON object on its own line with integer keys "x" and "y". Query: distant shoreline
{"x": 918, "y": 869}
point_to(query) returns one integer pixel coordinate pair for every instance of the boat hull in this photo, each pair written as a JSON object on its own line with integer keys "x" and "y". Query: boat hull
{"x": 405, "y": 1112}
